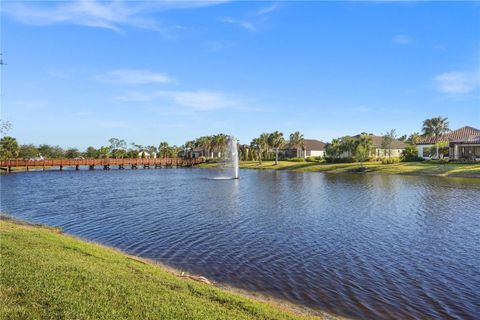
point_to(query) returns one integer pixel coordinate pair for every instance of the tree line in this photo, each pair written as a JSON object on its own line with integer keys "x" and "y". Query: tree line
{"x": 265, "y": 146}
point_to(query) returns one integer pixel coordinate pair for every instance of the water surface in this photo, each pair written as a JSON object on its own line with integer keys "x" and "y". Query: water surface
{"x": 384, "y": 247}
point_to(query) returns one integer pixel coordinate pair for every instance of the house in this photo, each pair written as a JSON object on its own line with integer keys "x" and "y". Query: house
{"x": 311, "y": 148}
{"x": 463, "y": 143}
{"x": 465, "y": 149}
{"x": 147, "y": 155}
{"x": 378, "y": 151}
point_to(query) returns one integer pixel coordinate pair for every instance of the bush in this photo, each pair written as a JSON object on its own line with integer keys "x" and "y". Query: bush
{"x": 340, "y": 160}
{"x": 296, "y": 159}
{"x": 391, "y": 160}
{"x": 438, "y": 161}
{"x": 313, "y": 159}
{"x": 412, "y": 159}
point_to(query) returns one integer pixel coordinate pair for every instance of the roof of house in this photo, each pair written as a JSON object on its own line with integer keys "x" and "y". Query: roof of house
{"x": 468, "y": 140}
{"x": 459, "y": 134}
{"x": 377, "y": 142}
{"x": 313, "y": 144}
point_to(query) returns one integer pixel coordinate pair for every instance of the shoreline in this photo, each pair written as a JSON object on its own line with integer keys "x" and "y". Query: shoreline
{"x": 284, "y": 307}
{"x": 424, "y": 168}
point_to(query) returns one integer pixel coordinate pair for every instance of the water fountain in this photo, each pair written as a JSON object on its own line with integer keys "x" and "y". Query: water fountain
{"x": 232, "y": 152}
{"x": 230, "y": 160}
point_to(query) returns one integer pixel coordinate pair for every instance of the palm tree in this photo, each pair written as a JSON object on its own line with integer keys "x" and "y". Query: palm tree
{"x": 435, "y": 127}
{"x": 276, "y": 141}
{"x": 263, "y": 141}
{"x": 362, "y": 150}
{"x": 9, "y": 148}
{"x": 256, "y": 145}
{"x": 296, "y": 141}
{"x": 188, "y": 148}
{"x": 348, "y": 145}
{"x": 334, "y": 149}
{"x": 163, "y": 149}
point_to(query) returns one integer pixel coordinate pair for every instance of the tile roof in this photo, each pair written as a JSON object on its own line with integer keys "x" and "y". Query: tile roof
{"x": 377, "y": 142}
{"x": 470, "y": 139}
{"x": 312, "y": 144}
{"x": 459, "y": 134}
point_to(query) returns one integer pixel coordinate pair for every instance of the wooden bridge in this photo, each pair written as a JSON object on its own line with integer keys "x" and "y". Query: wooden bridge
{"x": 8, "y": 165}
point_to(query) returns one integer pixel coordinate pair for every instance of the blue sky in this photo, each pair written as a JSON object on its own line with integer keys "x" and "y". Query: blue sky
{"x": 82, "y": 72}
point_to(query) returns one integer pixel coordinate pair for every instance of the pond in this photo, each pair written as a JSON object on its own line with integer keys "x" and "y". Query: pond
{"x": 361, "y": 246}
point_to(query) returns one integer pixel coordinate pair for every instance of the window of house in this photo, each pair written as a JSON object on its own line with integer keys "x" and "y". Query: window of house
{"x": 426, "y": 152}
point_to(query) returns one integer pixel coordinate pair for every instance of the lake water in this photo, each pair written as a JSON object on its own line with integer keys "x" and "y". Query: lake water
{"x": 384, "y": 247}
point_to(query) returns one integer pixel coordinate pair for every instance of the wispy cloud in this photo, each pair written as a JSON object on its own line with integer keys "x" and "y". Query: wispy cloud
{"x": 132, "y": 76}
{"x": 253, "y": 21}
{"x": 268, "y": 9}
{"x": 113, "y": 15}
{"x": 200, "y": 100}
{"x": 402, "y": 39}
{"x": 245, "y": 24}
{"x": 458, "y": 82}
{"x": 31, "y": 104}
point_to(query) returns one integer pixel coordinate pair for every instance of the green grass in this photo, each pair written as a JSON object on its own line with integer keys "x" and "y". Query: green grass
{"x": 410, "y": 168}
{"x": 48, "y": 275}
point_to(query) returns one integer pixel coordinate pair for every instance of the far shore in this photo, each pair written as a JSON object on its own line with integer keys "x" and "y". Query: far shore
{"x": 424, "y": 168}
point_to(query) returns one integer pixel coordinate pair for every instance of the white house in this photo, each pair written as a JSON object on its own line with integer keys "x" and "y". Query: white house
{"x": 461, "y": 138}
{"x": 312, "y": 148}
{"x": 147, "y": 155}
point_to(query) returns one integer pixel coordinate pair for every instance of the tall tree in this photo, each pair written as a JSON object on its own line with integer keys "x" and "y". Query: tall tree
{"x": 8, "y": 148}
{"x": 28, "y": 151}
{"x": 264, "y": 144}
{"x": 276, "y": 141}
{"x": 348, "y": 145}
{"x": 413, "y": 138}
{"x": 387, "y": 141}
{"x": 435, "y": 127}
{"x": 297, "y": 141}
{"x": 363, "y": 148}
{"x": 91, "y": 153}
{"x": 72, "y": 153}
{"x": 334, "y": 149}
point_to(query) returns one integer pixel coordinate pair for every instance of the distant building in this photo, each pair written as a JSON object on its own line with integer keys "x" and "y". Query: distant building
{"x": 147, "y": 155}
{"x": 463, "y": 144}
{"x": 378, "y": 151}
{"x": 311, "y": 148}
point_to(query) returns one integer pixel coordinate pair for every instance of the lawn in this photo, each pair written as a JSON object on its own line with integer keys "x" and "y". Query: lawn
{"x": 48, "y": 275}
{"x": 410, "y": 168}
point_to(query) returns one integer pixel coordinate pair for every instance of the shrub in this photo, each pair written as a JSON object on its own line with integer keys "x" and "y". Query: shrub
{"x": 438, "y": 161}
{"x": 391, "y": 160}
{"x": 296, "y": 159}
{"x": 314, "y": 159}
{"x": 340, "y": 160}
{"x": 412, "y": 159}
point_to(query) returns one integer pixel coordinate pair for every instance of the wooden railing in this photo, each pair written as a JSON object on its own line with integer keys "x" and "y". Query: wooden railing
{"x": 180, "y": 162}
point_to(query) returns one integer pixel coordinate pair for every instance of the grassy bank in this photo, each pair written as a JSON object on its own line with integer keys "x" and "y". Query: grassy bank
{"x": 410, "y": 168}
{"x": 48, "y": 275}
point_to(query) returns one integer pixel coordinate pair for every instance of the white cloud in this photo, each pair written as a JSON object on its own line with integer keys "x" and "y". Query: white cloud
{"x": 111, "y": 15}
{"x": 245, "y": 24}
{"x": 132, "y": 76}
{"x": 253, "y": 21}
{"x": 195, "y": 100}
{"x": 402, "y": 39}
{"x": 458, "y": 82}
{"x": 268, "y": 9}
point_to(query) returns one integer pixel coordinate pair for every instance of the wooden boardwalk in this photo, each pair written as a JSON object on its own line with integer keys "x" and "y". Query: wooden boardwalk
{"x": 8, "y": 165}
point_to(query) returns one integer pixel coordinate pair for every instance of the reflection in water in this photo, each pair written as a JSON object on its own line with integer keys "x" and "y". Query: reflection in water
{"x": 387, "y": 247}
